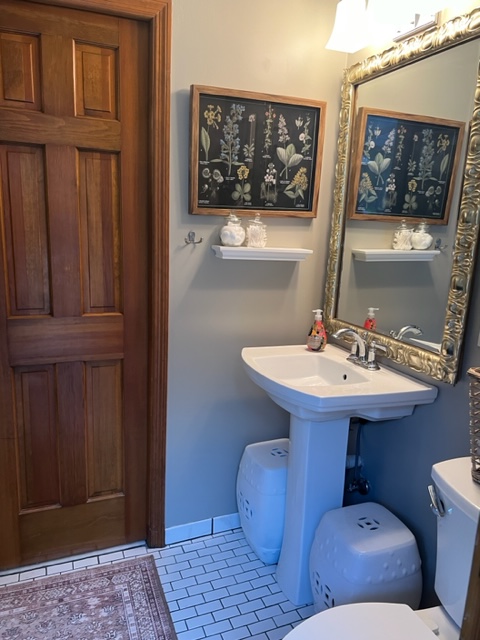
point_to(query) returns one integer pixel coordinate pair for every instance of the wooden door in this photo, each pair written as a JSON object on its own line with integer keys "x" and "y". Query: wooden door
{"x": 73, "y": 281}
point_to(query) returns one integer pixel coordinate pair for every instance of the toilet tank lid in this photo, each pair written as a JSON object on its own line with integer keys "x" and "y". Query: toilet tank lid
{"x": 454, "y": 479}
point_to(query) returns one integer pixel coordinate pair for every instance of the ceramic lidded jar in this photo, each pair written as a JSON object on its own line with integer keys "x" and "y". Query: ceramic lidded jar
{"x": 256, "y": 233}
{"x": 421, "y": 238}
{"x": 402, "y": 237}
{"x": 232, "y": 234}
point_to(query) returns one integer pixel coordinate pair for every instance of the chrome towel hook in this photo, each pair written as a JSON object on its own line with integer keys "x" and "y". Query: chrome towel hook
{"x": 190, "y": 239}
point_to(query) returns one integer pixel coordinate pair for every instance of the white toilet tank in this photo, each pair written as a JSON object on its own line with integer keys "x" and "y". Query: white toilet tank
{"x": 456, "y": 531}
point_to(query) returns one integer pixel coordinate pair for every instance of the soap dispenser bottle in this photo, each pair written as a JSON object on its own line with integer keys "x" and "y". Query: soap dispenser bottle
{"x": 317, "y": 338}
{"x": 370, "y": 321}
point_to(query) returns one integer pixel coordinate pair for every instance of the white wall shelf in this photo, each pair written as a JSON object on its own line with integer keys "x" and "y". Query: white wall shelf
{"x": 266, "y": 253}
{"x": 393, "y": 255}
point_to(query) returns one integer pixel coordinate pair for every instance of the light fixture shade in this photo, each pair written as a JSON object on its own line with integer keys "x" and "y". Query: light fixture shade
{"x": 350, "y": 29}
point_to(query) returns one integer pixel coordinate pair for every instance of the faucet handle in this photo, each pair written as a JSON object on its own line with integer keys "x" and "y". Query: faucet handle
{"x": 373, "y": 348}
{"x": 353, "y": 356}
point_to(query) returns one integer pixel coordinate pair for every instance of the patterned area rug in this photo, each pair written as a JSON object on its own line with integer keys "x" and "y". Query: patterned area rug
{"x": 121, "y": 601}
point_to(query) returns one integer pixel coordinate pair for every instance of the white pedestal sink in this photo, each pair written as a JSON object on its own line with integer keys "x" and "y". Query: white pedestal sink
{"x": 322, "y": 391}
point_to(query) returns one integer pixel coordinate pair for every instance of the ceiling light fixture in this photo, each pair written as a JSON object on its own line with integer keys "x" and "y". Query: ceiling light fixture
{"x": 360, "y": 22}
{"x": 350, "y": 29}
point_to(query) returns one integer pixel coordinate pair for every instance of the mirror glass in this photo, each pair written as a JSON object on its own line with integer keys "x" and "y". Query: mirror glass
{"x": 434, "y": 75}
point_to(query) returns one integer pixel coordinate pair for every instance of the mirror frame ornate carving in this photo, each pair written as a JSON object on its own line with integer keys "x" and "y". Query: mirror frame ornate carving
{"x": 441, "y": 366}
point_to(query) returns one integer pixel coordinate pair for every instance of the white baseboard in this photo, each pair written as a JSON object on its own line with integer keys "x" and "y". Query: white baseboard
{"x": 191, "y": 530}
{"x": 226, "y": 523}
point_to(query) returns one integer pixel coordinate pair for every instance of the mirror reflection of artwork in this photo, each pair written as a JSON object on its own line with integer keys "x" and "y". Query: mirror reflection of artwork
{"x": 423, "y": 75}
{"x": 403, "y": 166}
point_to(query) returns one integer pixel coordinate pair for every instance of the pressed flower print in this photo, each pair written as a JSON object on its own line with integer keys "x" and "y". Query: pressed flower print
{"x": 405, "y": 166}
{"x": 251, "y": 152}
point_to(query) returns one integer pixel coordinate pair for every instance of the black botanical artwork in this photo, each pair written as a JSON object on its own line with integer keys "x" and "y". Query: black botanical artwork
{"x": 403, "y": 166}
{"x": 254, "y": 152}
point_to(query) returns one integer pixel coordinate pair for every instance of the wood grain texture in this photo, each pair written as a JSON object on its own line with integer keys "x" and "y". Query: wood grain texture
{"x": 19, "y": 71}
{"x": 64, "y": 244}
{"x": 72, "y": 530}
{"x": 65, "y": 339}
{"x": 98, "y": 27}
{"x": 96, "y": 72}
{"x": 24, "y": 221}
{"x": 105, "y": 429}
{"x": 100, "y": 231}
{"x": 83, "y": 132}
{"x": 159, "y": 176}
{"x": 36, "y": 431}
{"x": 71, "y": 412}
{"x": 42, "y": 128}
{"x": 135, "y": 198}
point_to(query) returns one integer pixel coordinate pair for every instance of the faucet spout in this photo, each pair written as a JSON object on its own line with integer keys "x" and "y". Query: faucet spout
{"x": 409, "y": 328}
{"x": 359, "y": 341}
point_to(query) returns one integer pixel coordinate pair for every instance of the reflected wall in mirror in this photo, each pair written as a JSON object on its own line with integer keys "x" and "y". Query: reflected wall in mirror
{"x": 435, "y": 74}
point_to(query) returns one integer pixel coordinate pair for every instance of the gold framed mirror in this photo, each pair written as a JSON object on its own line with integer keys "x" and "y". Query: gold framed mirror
{"x": 442, "y": 362}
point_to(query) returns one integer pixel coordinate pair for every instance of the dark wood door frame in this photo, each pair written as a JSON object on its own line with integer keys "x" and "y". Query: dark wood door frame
{"x": 158, "y": 14}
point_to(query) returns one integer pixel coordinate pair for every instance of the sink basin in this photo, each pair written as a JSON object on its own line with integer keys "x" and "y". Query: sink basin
{"x": 322, "y": 391}
{"x": 326, "y": 385}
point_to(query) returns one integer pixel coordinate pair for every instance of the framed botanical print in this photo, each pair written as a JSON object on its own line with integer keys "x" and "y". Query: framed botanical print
{"x": 403, "y": 166}
{"x": 253, "y": 152}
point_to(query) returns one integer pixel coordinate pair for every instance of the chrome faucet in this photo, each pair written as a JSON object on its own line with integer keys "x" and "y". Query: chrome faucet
{"x": 358, "y": 350}
{"x": 409, "y": 328}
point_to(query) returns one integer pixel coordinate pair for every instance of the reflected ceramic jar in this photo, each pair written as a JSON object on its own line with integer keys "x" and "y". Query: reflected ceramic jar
{"x": 421, "y": 238}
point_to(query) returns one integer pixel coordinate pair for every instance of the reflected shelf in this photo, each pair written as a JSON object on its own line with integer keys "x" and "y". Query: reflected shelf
{"x": 265, "y": 253}
{"x": 395, "y": 255}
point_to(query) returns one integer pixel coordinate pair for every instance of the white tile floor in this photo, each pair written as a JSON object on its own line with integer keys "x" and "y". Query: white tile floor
{"x": 216, "y": 587}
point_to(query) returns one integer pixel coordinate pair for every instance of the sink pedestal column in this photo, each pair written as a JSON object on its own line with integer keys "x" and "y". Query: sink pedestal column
{"x": 315, "y": 484}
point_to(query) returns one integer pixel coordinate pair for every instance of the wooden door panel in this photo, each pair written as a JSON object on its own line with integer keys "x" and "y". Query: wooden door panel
{"x": 96, "y": 71}
{"x": 36, "y": 437}
{"x": 19, "y": 73}
{"x": 69, "y": 454}
{"x": 105, "y": 429}
{"x": 100, "y": 229}
{"x": 24, "y": 222}
{"x": 72, "y": 530}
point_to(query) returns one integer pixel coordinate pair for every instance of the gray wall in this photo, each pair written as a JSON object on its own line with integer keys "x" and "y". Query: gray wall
{"x": 218, "y": 306}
